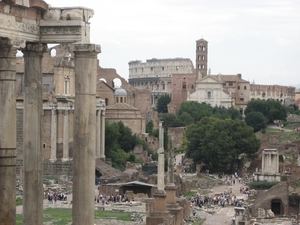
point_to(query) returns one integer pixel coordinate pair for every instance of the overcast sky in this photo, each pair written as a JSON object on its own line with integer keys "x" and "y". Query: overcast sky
{"x": 259, "y": 38}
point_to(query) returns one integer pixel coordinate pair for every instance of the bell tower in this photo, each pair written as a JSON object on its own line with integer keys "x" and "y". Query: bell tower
{"x": 201, "y": 57}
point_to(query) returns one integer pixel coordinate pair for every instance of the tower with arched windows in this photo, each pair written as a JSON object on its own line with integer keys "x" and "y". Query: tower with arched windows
{"x": 201, "y": 57}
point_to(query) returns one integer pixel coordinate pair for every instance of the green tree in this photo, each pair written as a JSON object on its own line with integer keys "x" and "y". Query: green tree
{"x": 218, "y": 143}
{"x": 195, "y": 109}
{"x": 170, "y": 120}
{"x": 149, "y": 127}
{"x": 162, "y": 103}
{"x": 271, "y": 109}
{"x": 256, "y": 120}
{"x": 185, "y": 119}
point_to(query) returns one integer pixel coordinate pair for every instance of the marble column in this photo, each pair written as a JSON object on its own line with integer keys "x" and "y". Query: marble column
{"x": 53, "y": 135}
{"x": 32, "y": 134}
{"x": 98, "y": 133}
{"x": 7, "y": 132}
{"x": 84, "y": 133}
{"x": 102, "y": 135}
{"x": 161, "y": 138}
{"x": 66, "y": 137}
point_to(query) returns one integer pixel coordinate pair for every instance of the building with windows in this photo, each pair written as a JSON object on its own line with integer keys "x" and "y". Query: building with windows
{"x": 156, "y": 75}
{"x": 210, "y": 90}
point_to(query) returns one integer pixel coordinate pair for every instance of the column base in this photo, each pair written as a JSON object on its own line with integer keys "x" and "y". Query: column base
{"x": 65, "y": 159}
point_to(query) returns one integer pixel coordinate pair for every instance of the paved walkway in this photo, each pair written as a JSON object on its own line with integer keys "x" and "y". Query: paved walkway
{"x": 224, "y": 215}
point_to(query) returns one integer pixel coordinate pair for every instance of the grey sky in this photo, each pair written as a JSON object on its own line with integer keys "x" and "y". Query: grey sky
{"x": 259, "y": 38}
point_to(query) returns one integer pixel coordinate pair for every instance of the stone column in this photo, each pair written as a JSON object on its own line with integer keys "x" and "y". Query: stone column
{"x": 84, "y": 133}
{"x": 98, "y": 133}
{"x": 172, "y": 206}
{"x": 7, "y": 132}
{"x": 32, "y": 134}
{"x": 53, "y": 135}
{"x": 102, "y": 134}
{"x": 66, "y": 137}
{"x": 159, "y": 215}
{"x": 263, "y": 162}
{"x": 161, "y": 138}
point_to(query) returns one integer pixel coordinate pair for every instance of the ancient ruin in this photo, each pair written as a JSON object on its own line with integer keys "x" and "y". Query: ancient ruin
{"x": 29, "y": 26}
{"x": 270, "y": 167}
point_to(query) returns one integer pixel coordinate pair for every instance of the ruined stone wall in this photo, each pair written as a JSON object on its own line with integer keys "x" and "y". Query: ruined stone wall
{"x": 142, "y": 100}
{"x": 57, "y": 168}
{"x": 182, "y": 85}
{"x": 177, "y": 133}
{"x": 276, "y": 92}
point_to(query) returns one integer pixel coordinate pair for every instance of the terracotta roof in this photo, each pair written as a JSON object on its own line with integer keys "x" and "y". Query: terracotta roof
{"x": 229, "y": 78}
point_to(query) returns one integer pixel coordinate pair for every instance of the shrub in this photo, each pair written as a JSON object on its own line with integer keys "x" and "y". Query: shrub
{"x": 261, "y": 185}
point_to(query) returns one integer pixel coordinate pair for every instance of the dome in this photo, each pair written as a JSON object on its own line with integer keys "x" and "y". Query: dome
{"x": 120, "y": 92}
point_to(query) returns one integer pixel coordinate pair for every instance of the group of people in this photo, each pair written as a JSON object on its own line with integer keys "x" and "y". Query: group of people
{"x": 53, "y": 196}
{"x": 222, "y": 200}
{"x": 108, "y": 199}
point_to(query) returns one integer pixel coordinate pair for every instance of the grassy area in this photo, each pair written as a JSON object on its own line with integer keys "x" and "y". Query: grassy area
{"x": 62, "y": 216}
{"x": 199, "y": 221}
{"x": 19, "y": 202}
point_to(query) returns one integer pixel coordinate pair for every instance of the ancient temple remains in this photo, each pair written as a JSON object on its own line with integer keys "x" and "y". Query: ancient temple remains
{"x": 270, "y": 167}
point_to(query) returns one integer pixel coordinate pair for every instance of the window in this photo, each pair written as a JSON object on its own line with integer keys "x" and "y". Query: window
{"x": 151, "y": 68}
{"x": 183, "y": 85}
{"x": 177, "y": 67}
{"x": 209, "y": 95}
{"x": 44, "y": 145}
{"x": 202, "y": 66}
{"x": 135, "y": 69}
{"x": 67, "y": 85}
{"x": 242, "y": 99}
{"x": 163, "y": 68}
{"x": 238, "y": 87}
{"x": 203, "y": 57}
{"x": 142, "y": 69}
{"x": 230, "y": 84}
{"x": 192, "y": 86}
{"x": 203, "y": 48}
{"x": 245, "y": 87}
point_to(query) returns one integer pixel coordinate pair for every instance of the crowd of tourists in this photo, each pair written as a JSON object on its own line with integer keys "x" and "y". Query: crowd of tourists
{"x": 109, "y": 199}
{"x": 53, "y": 196}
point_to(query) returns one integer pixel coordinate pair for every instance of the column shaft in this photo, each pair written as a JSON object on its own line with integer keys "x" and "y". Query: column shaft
{"x": 7, "y": 133}
{"x": 98, "y": 134}
{"x": 66, "y": 137}
{"x": 102, "y": 134}
{"x": 53, "y": 135}
{"x": 84, "y": 133}
{"x": 32, "y": 135}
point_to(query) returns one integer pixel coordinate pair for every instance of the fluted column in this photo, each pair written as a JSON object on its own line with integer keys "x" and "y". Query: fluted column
{"x": 53, "y": 135}
{"x": 84, "y": 133}
{"x": 102, "y": 134}
{"x": 66, "y": 137}
{"x": 32, "y": 134}
{"x": 7, "y": 133}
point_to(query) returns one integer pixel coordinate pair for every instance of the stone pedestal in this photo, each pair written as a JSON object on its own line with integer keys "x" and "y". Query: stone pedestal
{"x": 32, "y": 134}
{"x": 172, "y": 206}
{"x": 159, "y": 215}
{"x": 7, "y": 132}
{"x": 84, "y": 133}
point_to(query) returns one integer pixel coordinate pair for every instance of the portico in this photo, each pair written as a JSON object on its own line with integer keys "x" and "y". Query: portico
{"x": 29, "y": 26}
